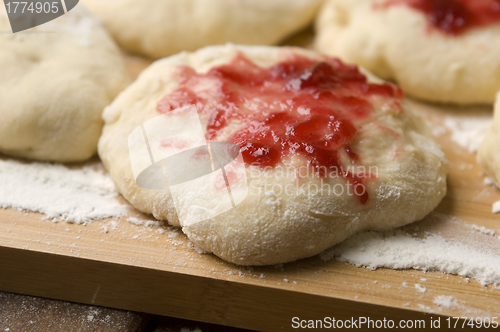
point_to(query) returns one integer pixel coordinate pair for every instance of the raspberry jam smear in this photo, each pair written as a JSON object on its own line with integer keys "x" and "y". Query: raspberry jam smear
{"x": 456, "y": 16}
{"x": 297, "y": 107}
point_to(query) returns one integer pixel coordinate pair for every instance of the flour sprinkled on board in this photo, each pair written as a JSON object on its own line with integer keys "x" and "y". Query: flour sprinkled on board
{"x": 75, "y": 195}
{"x": 473, "y": 255}
{"x": 420, "y": 288}
{"x": 468, "y": 131}
{"x": 483, "y": 230}
{"x": 445, "y": 301}
{"x": 496, "y": 207}
{"x": 145, "y": 222}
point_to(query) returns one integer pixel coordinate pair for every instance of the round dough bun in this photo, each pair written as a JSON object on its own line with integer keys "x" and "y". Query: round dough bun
{"x": 273, "y": 227}
{"x": 489, "y": 152}
{"x": 397, "y": 43}
{"x": 55, "y": 81}
{"x": 159, "y": 28}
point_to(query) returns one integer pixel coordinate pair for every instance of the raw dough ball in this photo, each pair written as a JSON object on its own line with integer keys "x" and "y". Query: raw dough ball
{"x": 159, "y": 28}
{"x": 397, "y": 42}
{"x": 270, "y": 226}
{"x": 55, "y": 81}
{"x": 489, "y": 152}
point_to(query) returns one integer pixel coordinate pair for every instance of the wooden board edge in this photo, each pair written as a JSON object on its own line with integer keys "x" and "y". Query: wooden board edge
{"x": 209, "y": 300}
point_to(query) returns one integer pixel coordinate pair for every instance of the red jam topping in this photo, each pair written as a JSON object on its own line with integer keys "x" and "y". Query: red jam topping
{"x": 297, "y": 107}
{"x": 456, "y": 16}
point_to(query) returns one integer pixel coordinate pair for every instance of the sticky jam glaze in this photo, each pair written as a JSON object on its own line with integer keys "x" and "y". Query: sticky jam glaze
{"x": 297, "y": 107}
{"x": 455, "y": 17}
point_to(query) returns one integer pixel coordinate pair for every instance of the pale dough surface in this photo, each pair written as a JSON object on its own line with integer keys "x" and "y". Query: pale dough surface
{"x": 159, "y": 28}
{"x": 55, "y": 81}
{"x": 398, "y": 43}
{"x": 271, "y": 227}
{"x": 489, "y": 152}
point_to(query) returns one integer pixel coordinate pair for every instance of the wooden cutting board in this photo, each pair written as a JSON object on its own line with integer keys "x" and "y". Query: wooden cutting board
{"x": 155, "y": 270}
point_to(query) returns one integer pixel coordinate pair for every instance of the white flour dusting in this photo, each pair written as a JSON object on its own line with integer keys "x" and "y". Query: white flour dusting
{"x": 496, "y": 207}
{"x": 420, "y": 288}
{"x": 74, "y": 195}
{"x": 483, "y": 230}
{"x": 489, "y": 181}
{"x": 445, "y": 301}
{"x": 468, "y": 131}
{"x": 397, "y": 249}
{"x": 147, "y": 223}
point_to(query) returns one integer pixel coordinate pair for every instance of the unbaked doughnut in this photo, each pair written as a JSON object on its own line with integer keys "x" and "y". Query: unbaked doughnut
{"x": 329, "y": 152}
{"x": 55, "y": 81}
{"x": 159, "y": 28}
{"x": 443, "y": 51}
